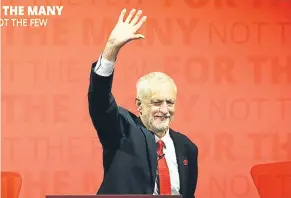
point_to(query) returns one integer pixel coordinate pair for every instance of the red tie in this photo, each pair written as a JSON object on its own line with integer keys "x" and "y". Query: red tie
{"x": 164, "y": 176}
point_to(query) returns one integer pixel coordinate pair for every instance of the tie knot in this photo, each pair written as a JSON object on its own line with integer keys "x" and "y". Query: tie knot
{"x": 160, "y": 146}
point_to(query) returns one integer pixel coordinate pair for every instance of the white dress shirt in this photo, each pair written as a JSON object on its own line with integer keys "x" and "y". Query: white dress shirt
{"x": 170, "y": 155}
{"x": 105, "y": 68}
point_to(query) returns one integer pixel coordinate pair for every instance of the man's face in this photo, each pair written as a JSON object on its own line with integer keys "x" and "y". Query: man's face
{"x": 158, "y": 108}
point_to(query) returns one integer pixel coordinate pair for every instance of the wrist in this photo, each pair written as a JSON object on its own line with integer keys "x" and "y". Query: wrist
{"x": 111, "y": 51}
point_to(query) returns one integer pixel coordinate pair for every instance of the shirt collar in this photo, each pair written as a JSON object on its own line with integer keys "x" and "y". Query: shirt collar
{"x": 165, "y": 138}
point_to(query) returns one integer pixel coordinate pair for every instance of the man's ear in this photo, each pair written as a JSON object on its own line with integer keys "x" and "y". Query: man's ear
{"x": 138, "y": 105}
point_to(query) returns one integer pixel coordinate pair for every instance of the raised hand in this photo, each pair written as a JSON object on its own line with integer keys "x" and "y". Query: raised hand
{"x": 125, "y": 29}
{"x": 123, "y": 32}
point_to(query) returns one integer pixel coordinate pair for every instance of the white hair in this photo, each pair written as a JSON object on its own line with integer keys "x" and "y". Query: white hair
{"x": 143, "y": 84}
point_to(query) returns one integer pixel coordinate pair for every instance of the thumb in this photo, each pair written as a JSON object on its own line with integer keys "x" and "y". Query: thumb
{"x": 138, "y": 36}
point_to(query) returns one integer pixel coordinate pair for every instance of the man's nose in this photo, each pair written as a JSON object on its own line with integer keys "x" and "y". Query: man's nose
{"x": 164, "y": 108}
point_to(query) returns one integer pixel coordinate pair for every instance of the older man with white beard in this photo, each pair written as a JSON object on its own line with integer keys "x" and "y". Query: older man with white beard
{"x": 141, "y": 154}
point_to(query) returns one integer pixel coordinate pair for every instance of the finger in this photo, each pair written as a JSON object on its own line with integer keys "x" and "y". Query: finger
{"x": 121, "y": 16}
{"x": 139, "y": 24}
{"x": 129, "y": 16}
{"x": 138, "y": 36}
{"x": 134, "y": 20}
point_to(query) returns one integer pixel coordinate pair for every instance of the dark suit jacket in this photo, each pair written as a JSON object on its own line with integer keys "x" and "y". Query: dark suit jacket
{"x": 129, "y": 149}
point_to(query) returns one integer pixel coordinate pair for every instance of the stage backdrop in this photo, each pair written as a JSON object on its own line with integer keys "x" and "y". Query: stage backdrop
{"x": 230, "y": 59}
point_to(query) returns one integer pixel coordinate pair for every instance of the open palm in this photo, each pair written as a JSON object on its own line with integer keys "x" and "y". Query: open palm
{"x": 125, "y": 30}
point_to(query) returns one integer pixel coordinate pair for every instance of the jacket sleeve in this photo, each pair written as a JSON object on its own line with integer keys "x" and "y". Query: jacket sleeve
{"x": 193, "y": 152}
{"x": 103, "y": 110}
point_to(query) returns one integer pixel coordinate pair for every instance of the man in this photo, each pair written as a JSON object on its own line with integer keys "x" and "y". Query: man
{"x": 141, "y": 155}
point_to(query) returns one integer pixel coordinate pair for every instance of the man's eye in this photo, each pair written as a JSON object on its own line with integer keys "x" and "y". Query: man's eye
{"x": 156, "y": 103}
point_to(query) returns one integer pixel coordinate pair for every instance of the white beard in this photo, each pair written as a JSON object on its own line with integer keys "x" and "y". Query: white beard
{"x": 161, "y": 126}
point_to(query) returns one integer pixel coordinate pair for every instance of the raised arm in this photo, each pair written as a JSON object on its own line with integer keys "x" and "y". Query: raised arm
{"x": 103, "y": 108}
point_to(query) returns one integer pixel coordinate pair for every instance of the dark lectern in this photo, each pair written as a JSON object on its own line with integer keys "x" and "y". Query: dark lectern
{"x": 114, "y": 196}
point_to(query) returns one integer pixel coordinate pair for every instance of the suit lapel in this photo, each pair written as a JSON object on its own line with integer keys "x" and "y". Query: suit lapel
{"x": 182, "y": 160}
{"x": 152, "y": 153}
{"x": 151, "y": 148}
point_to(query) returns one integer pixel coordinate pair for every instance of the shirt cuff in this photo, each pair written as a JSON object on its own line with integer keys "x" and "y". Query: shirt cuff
{"x": 104, "y": 67}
